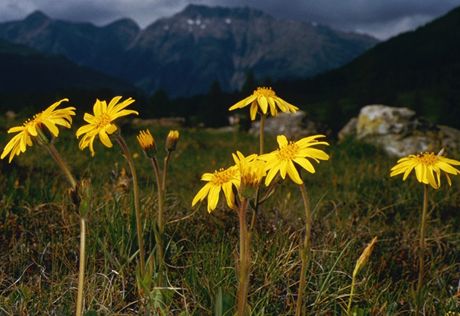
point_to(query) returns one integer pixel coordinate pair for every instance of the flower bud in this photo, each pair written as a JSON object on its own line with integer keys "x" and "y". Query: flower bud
{"x": 364, "y": 256}
{"x": 147, "y": 143}
{"x": 171, "y": 140}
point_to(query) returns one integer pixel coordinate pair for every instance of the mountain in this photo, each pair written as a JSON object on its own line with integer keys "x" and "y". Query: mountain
{"x": 418, "y": 69}
{"x": 184, "y": 54}
{"x": 30, "y": 78}
{"x": 83, "y": 43}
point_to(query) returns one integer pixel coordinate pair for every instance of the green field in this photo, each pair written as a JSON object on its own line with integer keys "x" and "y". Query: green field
{"x": 354, "y": 199}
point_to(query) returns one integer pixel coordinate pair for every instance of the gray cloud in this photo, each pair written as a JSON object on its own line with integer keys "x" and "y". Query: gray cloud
{"x": 380, "y": 18}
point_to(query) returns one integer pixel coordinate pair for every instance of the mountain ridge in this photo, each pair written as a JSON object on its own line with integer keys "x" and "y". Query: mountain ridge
{"x": 419, "y": 69}
{"x": 185, "y": 53}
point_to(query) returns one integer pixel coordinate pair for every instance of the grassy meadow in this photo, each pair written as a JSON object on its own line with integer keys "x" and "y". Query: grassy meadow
{"x": 352, "y": 195}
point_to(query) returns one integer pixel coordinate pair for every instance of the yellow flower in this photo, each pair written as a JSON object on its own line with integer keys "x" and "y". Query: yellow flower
{"x": 100, "y": 124}
{"x": 171, "y": 140}
{"x": 222, "y": 180}
{"x": 282, "y": 160}
{"x": 50, "y": 118}
{"x": 428, "y": 168}
{"x": 264, "y": 98}
{"x": 238, "y": 157}
{"x": 147, "y": 142}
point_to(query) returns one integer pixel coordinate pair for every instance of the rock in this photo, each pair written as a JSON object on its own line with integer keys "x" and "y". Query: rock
{"x": 171, "y": 122}
{"x": 382, "y": 120}
{"x": 399, "y": 131}
{"x": 349, "y": 130}
{"x": 293, "y": 125}
{"x": 10, "y": 115}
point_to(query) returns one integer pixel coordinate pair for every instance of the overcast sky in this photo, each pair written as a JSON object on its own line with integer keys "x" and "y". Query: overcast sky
{"x": 380, "y": 18}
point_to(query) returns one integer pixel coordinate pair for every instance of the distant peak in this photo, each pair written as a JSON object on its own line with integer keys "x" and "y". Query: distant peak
{"x": 207, "y": 11}
{"x": 37, "y": 16}
{"x": 124, "y": 23}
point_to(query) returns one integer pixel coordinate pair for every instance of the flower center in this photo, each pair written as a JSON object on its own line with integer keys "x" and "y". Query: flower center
{"x": 427, "y": 158}
{"x": 265, "y": 92}
{"x": 288, "y": 152}
{"x": 223, "y": 176}
{"x": 104, "y": 119}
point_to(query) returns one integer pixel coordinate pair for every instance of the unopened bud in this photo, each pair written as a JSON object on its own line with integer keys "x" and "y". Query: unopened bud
{"x": 364, "y": 256}
{"x": 171, "y": 140}
{"x": 147, "y": 143}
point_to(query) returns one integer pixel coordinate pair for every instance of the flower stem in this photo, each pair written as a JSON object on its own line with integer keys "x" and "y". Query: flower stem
{"x": 82, "y": 257}
{"x": 81, "y": 270}
{"x": 158, "y": 231}
{"x": 124, "y": 148}
{"x": 243, "y": 282}
{"x": 304, "y": 250}
{"x": 62, "y": 164}
{"x": 352, "y": 292}
{"x": 159, "y": 182}
{"x": 165, "y": 172}
{"x": 261, "y": 134}
{"x": 422, "y": 246}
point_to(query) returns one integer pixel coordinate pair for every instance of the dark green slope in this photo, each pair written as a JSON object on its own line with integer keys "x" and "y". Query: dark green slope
{"x": 419, "y": 69}
{"x": 29, "y": 78}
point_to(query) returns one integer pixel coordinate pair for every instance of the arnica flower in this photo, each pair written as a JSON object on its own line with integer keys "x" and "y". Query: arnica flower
{"x": 171, "y": 140}
{"x": 50, "y": 118}
{"x": 282, "y": 160}
{"x": 222, "y": 180}
{"x": 428, "y": 168}
{"x": 147, "y": 142}
{"x": 101, "y": 123}
{"x": 264, "y": 98}
{"x": 252, "y": 171}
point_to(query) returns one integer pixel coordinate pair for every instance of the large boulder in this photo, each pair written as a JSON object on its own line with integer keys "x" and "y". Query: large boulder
{"x": 399, "y": 131}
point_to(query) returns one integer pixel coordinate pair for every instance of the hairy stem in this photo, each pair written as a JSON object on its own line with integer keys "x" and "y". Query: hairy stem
{"x": 244, "y": 261}
{"x": 352, "y": 292}
{"x": 158, "y": 231}
{"x": 261, "y": 134}
{"x": 81, "y": 270}
{"x": 82, "y": 257}
{"x": 422, "y": 246}
{"x": 124, "y": 148}
{"x": 62, "y": 165}
{"x": 304, "y": 251}
{"x": 165, "y": 172}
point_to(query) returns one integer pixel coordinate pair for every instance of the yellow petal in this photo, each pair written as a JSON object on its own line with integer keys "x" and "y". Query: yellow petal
{"x": 52, "y": 128}
{"x": 201, "y": 195}
{"x": 283, "y": 169}
{"x": 253, "y": 111}
{"x": 293, "y": 173}
{"x": 97, "y": 108}
{"x": 207, "y": 176}
{"x": 105, "y": 139}
{"x": 229, "y": 196}
{"x": 263, "y": 104}
{"x": 447, "y": 168}
{"x": 282, "y": 140}
{"x": 213, "y": 197}
{"x": 243, "y": 103}
{"x": 270, "y": 175}
{"x": 304, "y": 163}
{"x": 84, "y": 129}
